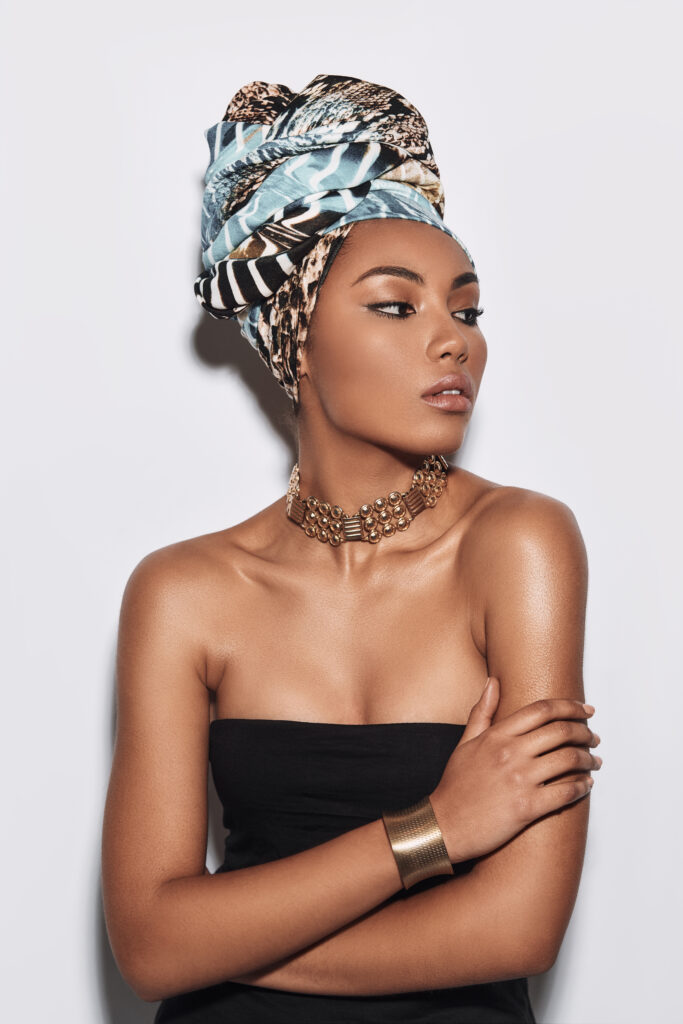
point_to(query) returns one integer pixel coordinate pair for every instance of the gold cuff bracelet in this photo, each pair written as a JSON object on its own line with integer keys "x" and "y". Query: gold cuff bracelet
{"x": 417, "y": 842}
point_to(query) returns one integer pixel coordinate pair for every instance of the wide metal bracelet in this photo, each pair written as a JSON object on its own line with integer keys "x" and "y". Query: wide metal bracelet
{"x": 417, "y": 842}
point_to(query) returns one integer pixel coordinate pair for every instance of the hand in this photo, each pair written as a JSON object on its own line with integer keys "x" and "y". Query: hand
{"x": 494, "y": 783}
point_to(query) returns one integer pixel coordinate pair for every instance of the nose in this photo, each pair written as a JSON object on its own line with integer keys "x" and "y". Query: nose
{"x": 447, "y": 337}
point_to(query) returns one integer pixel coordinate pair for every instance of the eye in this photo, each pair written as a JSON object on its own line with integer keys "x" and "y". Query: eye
{"x": 379, "y": 306}
{"x": 470, "y": 315}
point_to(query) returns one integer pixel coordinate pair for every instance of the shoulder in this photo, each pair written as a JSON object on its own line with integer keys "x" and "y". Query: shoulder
{"x": 172, "y": 601}
{"x": 515, "y": 525}
{"x": 176, "y": 569}
{"x": 186, "y": 566}
{"x": 524, "y": 560}
{"x": 193, "y": 579}
{"x": 178, "y": 578}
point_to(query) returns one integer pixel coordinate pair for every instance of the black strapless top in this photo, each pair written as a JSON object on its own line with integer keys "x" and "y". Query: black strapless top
{"x": 286, "y": 786}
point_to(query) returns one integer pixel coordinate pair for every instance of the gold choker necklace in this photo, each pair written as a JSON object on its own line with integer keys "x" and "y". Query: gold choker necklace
{"x": 329, "y": 523}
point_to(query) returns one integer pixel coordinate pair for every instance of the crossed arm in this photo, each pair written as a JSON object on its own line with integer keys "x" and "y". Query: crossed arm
{"x": 507, "y": 917}
{"x": 488, "y": 925}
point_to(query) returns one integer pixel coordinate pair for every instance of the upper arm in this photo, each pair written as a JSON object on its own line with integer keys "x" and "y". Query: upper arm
{"x": 534, "y": 605}
{"x": 155, "y": 816}
{"x": 535, "y": 601}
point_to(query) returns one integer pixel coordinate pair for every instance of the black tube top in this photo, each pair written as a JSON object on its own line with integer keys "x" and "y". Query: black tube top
{"x": 286, "y": 786}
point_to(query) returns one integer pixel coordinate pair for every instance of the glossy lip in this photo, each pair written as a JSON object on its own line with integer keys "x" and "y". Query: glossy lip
{"x": 454, "y": 380}
{"x": 451, "y": 403}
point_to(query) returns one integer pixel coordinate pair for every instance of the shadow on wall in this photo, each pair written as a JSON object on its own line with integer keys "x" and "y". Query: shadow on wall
{"x": 219, "y": 344}
{"x": 540, "y": 993}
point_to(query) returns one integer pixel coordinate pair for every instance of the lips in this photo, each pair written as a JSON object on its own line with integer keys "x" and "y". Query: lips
{"x": 454, "y": 381}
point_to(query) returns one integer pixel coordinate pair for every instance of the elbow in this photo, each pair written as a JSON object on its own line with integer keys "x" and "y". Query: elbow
{"x": 158, "y": 962}
{"x": 152, "y": 981}
{"x": 147, "y": 992}
{"x": 141, "y": 974}
{"x": 523, "y": 953}
{"x": 157, "y": 970}
{"x": 143, "y": 959}
{"x": 541, "y": 958}
{"x": 141, "y": 939}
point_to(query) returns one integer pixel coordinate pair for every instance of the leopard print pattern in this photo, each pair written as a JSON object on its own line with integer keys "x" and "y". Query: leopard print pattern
{"x": 336, "y": 99}
{"x": 259, "y": 103}
{"x": 285, "y": 319}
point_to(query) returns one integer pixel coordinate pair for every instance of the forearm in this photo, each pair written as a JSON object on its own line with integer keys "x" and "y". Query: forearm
{"x": 205, "y": 929}
{"x": 466, "y": 931}
{"x": 501, "y": 920}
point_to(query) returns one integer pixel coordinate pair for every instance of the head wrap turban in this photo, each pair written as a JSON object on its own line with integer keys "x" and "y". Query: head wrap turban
{"x": 288, "y": 176}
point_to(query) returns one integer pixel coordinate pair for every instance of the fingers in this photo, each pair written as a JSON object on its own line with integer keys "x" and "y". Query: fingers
{"x": 558, "y": 733}
{"x": 558, "y": 794}
{"x": 540, "y": 712}
{"x": 483, "y": 711}
{"x": 567, "y": 759}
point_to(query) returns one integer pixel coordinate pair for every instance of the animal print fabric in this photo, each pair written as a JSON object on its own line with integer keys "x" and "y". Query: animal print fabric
{"x": 283, "y": 322}
{"x": 289, "y": 174}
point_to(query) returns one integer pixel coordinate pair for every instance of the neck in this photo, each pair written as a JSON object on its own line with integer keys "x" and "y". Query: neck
{"x": 355, "y": 473}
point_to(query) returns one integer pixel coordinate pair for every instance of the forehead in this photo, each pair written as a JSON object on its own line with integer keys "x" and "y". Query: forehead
{"x": 410, "y": 243}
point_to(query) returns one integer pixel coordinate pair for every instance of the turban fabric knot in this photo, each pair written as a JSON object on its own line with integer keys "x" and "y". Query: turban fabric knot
{"x": 289, "y": 174}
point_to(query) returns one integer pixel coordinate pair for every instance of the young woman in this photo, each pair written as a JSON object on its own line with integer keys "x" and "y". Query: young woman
{"x": 384, "y": 666}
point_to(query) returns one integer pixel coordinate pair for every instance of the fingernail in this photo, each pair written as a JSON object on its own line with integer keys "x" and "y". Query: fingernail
{"x": 589, "y": 708}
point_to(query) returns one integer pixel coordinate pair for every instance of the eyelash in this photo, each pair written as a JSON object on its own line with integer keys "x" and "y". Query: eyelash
{"x": 377, "y": 308}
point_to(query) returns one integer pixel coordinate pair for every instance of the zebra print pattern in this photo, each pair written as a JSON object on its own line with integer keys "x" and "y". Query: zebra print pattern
{"x": 287, "y": 169}
{"x": 281, "y": 324}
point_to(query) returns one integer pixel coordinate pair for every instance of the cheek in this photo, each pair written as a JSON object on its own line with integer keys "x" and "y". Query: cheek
{"x": 479, "y": 354}
{"x": 357, "y": 367}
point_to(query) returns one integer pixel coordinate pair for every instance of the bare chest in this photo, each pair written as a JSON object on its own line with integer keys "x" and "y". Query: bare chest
{"x": 403, "y": 645}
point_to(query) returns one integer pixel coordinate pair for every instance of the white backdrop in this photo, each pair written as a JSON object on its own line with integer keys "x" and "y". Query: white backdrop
{"x": 131, "y": 419}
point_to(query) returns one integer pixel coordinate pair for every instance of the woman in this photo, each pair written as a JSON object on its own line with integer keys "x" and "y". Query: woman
{"x": 384, "y": 666}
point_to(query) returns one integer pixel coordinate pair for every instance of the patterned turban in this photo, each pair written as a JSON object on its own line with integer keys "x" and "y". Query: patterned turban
{"x": 288, "y": 176}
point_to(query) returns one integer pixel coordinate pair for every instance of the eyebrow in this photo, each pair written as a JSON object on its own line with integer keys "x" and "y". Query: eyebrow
{"x": 411, "y": 275}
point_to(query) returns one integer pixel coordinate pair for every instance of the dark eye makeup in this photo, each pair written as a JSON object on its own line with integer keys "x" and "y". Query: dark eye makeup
{"x": 472, "y": 314}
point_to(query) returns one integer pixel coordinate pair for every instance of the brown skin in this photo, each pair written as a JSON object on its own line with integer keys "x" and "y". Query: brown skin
{"x": 363, "y": 373}
{"x": 260, "y": 621}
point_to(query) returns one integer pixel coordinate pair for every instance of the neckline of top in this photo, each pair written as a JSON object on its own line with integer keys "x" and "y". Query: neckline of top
{"x": 336, "y": 725}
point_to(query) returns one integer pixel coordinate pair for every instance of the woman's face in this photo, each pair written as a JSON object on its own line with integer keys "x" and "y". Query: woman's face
{"x": 380, "y": 338}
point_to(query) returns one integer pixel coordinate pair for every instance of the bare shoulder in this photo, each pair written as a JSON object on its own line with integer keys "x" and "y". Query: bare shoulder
{"x": 177, "y": 598}
{"x": 175, "y": 568}
{"x": 190, "y": 581}
{"x": 158, "y": 621}
{"x": 507, "y": 521}
{"x": 186, "y": 567}
{"x": 169, "y": 582}
{"x": 521, "y": 550}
